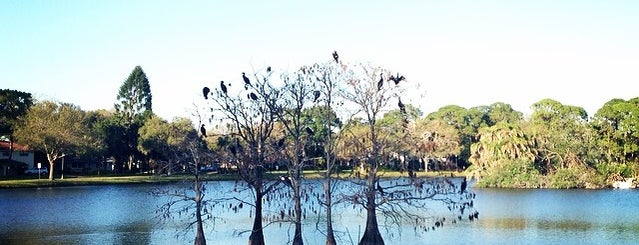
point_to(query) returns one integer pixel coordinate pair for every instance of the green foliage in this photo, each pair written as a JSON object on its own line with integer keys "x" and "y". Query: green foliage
{"x": 13, "y": 105}
{"x": 562, "y": 135}
{"x": 57, "y": 129}
{"x": 133, "y": 107}
{"x": 134, "y": 97}
{"x": 518, "y": 173}
{"x": 434, "y": 139}
{"x": 617, "y": 125}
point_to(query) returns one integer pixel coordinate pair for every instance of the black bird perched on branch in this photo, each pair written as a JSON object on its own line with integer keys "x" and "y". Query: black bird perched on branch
{"x": 401, "y": 105}
{"x": 233, "y": 150}
{"x": 380, "y": 83}
{"x": 253, "y": 96}
{"x": 286, "y": 180}
{"x": 397, "y": 78}
{"x": 223, "y": 87}
{"x": 268, "y": 69}
{"x": 335, "y": 56}
{"x": 247, "y": 82}
{"x": 205, "y": 92}
{"x": 316, "y": 95}
{"x": 280, "y": 143}
{"x": 309, "y": 131}
{"x": 463, "y": 186}
{"x": 379, "y": 188}
{"x": 203, "y": 130}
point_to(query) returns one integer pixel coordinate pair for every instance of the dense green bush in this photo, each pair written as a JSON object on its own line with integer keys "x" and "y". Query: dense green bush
{"x": 513, "y": 174}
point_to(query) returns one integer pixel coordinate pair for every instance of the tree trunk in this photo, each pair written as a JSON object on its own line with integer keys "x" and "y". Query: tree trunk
{"x": 257, "y": 234}
{"x": 330, "y": 236}
{"x": 199, "y": 236}
{"x": 51, "y": 170}
{"x": 297, "y": 239}
{"x": 371, "y": 233}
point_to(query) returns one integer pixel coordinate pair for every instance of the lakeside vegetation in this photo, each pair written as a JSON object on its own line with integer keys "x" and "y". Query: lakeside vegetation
{"x": 31, "y": 182}
{"x": 271, "y": 136}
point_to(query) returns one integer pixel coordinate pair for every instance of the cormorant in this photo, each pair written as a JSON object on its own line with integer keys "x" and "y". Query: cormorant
{"x": 280, "y": 142}
{"x": 316, "y": 95}
{"x": 203, "y": 130}
{"x": 380, "y": 189}
{"x": 268, "y": 69}
{"x": 335, "y": 56}
{"x": 286, "y": 180}
{"x": 253, "y": 96}
{"x": 401, "y": 105}
{"x": 463, "y": 186}
{"x": 233, "y": 150}
{"x": 397, "y": 78}
{"x": 380, "y": 83}
{"x": 247, "y": 82}
{"x": 309, "y": 131}
{"x": 205, "y": 92}
{"x": 223, "y": 87}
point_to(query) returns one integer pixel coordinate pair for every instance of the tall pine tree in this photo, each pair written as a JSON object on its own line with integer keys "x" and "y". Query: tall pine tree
{"x": 133, "y": 106}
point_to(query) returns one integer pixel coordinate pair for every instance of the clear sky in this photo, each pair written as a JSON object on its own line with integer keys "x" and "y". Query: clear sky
{"x": 467, "y": 53}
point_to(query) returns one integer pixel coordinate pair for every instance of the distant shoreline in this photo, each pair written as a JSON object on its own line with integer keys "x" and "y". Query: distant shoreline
{"x": 150, "y": 179}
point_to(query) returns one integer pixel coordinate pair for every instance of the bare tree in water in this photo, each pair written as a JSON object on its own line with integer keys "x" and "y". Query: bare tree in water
{"x": 372, "y": 145}
{"x": 186, "y": 151}
{"x": 244, "y": 107}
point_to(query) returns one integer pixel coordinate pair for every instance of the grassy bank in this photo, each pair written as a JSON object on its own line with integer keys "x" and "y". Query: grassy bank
{"x": 145, "y": 179}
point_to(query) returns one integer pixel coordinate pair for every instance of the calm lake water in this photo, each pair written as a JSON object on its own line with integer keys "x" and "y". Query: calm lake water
{"x": 125, "y": 214}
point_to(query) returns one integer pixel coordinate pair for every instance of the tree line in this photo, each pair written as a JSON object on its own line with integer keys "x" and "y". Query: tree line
{"x": 347, "y": 120}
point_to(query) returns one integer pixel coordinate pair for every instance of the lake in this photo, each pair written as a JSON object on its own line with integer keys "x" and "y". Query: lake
{"x": 125, "y": 214}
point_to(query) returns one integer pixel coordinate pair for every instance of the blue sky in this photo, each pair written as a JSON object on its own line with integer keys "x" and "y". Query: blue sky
{"x": 467, "y": 53}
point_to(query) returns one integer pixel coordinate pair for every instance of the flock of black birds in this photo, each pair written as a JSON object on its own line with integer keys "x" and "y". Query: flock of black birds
{"x": 235, "y": 147}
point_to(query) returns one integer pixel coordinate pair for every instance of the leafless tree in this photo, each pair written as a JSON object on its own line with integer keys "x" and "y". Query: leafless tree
{"x": 189, "y": 151}
{"x": 246, "y": 110}
{"x": 371, "y": 91}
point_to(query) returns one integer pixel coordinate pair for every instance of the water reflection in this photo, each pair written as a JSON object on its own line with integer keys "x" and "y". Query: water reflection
{"x": 125, "y": 215}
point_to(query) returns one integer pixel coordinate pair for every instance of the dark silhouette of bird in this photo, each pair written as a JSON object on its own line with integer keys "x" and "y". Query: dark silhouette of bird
{"x": 203, "y": 130}
{"x": 280, "y": 143}
{"x": 316, "y": 95}
{"x": 379, "y": 188}
{"x": 247, "y": 82}
{"x": 463, "y": 186}
{"x": 205, "y": 92}
{"x": 309, "y": 131}
{"x": 397, "y": 78}
{"x": 401, "y": 105}
{"x": 223, "y": 87}
{"x": 380, "y": 83}
{"x": 233, "y": 150}
{"x": 268, "y": 69}
{"x": 335, "y": 56}
{"x": 286, "y": 180}
{"x": 253, "y": 96}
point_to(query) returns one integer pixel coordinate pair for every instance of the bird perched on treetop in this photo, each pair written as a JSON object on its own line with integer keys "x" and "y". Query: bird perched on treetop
{"x": 316, "y": 95}
{"x": 253, "y": 96}
{"x": 223, "y": 87}
{"x": 401, "y": 105}
{"x": 203, "y": 130}
{"x": 335, "y": 56}
{"x": 397, "y": 78}
{"x": 205, "y": 92}
{"x": 380, "y": 83}
{"x": 247, "y": 82}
